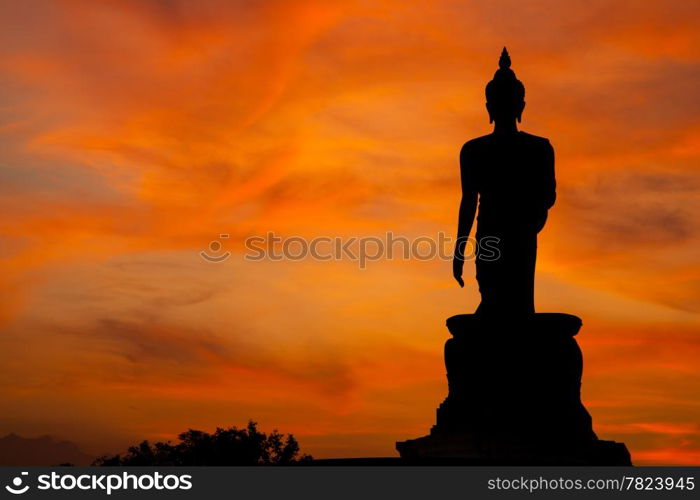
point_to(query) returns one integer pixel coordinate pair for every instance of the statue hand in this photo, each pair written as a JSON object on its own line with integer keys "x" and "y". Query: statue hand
{"x": 457, "y": 267}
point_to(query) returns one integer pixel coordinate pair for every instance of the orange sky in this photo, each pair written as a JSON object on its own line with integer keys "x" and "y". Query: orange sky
{"x": 133, "y": 133}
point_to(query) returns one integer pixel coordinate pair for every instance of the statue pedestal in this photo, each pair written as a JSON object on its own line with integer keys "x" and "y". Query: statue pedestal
{"x": 514, "y": 396}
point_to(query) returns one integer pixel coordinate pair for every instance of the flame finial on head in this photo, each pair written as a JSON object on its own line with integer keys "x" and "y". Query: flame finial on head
{"x": 504, "y": 61}
{"x": 505, "y": 86}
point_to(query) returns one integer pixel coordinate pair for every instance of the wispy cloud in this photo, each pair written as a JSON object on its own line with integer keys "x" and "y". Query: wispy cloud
{"x": 133, "y": 133}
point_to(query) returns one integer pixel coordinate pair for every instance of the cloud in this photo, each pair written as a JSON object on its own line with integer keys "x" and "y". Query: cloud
{"x": 622, "y": 208}
{"x": 133, "y": 133}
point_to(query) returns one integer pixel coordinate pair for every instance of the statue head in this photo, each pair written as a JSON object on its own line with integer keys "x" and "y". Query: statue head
{"x": 505, "y": 94}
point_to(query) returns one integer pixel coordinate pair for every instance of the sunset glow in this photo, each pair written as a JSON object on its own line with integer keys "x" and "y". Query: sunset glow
{"x": 134, "y": 133}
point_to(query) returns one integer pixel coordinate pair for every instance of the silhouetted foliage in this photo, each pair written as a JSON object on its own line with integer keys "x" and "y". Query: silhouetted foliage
{"x": 230, "y": 446}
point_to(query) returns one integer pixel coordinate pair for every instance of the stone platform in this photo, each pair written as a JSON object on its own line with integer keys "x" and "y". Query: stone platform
{"x": 514, "y": 396}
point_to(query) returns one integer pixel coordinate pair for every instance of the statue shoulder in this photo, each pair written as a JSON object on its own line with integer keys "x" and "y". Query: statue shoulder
{"x": 475, "y": 144}
{"x": 536, "y": 140}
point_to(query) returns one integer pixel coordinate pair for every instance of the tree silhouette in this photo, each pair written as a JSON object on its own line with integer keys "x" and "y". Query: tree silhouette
{"x": 230, "y": 446}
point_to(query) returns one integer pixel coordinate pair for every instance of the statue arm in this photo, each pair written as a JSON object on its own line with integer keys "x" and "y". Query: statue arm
{"x": 467, "y": 211}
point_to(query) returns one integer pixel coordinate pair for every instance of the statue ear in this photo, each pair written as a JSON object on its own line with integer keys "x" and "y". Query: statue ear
{"x": 488, "y": 108}
{"x": 520, "y": 114}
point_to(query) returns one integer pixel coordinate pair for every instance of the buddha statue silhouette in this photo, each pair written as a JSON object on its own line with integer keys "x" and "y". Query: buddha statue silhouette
{"x": 511, "y": 174}
{"x": 513, "y": 376}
